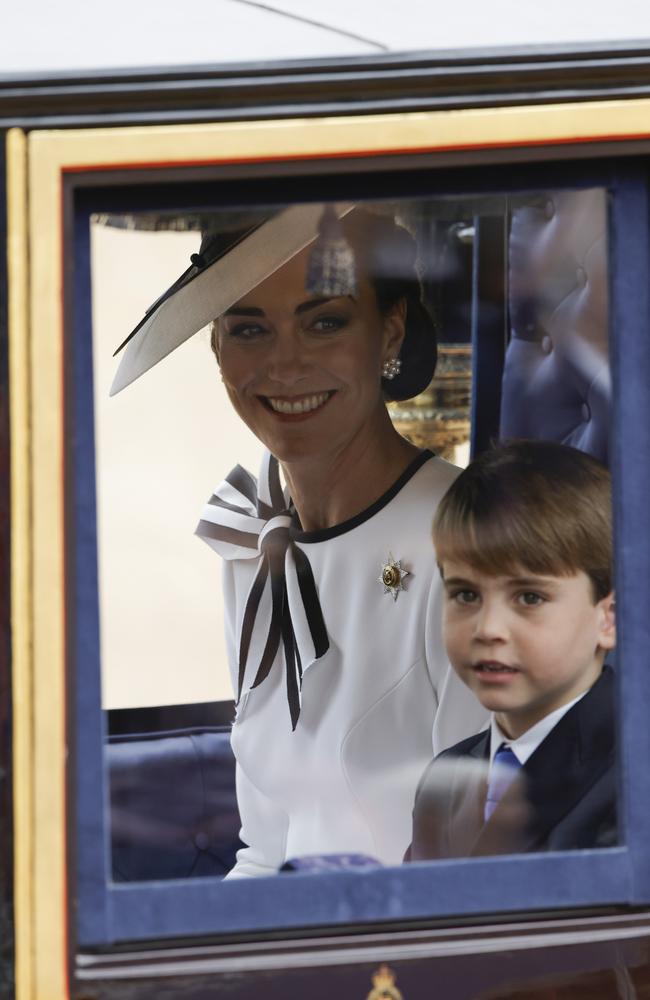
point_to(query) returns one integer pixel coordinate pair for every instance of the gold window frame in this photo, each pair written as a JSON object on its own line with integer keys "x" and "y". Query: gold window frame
{"x": 37, "y": 163}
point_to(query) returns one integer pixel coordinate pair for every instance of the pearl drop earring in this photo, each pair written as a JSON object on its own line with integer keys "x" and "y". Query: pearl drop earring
{"x": 391, "y": 367}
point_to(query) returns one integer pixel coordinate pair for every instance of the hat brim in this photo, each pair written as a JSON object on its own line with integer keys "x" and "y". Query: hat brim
{"x": 207, "y": 293}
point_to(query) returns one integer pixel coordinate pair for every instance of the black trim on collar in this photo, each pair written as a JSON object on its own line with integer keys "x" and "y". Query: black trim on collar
{"x": 323, "y": 534}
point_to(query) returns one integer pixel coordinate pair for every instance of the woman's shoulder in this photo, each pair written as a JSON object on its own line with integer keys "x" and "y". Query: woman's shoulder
{"x": 416, "y": 502}
{"x": 426, "y": 488}
{"x": 438, "y": 473}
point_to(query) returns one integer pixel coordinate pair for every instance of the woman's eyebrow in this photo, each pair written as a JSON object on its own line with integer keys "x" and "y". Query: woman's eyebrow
{"x": 313, "y": 304}
{"x": 243, "y": 311}
{"x": 303, "y": 307}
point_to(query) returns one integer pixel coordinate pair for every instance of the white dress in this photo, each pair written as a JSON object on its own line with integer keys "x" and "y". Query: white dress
{"x": 374, "y": 708}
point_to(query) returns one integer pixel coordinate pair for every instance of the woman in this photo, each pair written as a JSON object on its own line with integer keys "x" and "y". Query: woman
{"x": 332, "y": 596}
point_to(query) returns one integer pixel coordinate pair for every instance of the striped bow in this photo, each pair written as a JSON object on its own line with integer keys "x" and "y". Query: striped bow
{"x": 245, "y": 519}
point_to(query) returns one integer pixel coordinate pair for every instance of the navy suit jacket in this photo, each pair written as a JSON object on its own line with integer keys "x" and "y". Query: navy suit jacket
{"x": 563, "y": 798}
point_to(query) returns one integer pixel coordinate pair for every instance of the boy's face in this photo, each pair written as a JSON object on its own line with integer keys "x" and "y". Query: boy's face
{"x": 525, "y": 644}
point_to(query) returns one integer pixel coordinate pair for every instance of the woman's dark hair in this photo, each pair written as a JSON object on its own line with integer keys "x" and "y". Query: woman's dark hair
{"x": 386, "y": 252}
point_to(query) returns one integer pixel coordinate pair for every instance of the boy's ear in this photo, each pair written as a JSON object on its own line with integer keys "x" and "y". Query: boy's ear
{"x": 607, "y": 624}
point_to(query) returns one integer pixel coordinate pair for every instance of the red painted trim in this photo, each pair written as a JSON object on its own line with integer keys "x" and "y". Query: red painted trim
{"x": 356, "y": 154}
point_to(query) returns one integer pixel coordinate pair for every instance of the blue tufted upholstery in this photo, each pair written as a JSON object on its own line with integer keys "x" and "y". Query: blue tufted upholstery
{"x": 556, "y": 379}
{"x": 173, "y": 804}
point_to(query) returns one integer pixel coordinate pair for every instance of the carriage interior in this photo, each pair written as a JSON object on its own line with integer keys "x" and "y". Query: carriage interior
{"x": 525, "y": 288}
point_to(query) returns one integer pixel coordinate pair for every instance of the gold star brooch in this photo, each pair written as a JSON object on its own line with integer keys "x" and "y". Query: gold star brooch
{"x": 392, "y": 576}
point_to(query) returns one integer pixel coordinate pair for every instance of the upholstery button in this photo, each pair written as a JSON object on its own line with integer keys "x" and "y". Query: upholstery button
{"x": 201, "y": 840}
{"x": 547, "y": 344}
{"x": 549, "y": 209}
{"x": 581, "y": 277}
{"x": 586, "y": 412}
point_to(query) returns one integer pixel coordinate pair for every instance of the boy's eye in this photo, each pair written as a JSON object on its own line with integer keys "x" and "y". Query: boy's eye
{"x": 465, "y": 596}
{"x": 530, "y": 599}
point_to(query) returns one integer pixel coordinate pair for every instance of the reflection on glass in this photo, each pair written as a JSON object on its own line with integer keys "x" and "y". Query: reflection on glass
{"x": 333, "y": 644}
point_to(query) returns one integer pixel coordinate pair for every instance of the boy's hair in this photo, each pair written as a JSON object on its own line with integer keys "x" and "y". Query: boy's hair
{"x": 536, "y": 505}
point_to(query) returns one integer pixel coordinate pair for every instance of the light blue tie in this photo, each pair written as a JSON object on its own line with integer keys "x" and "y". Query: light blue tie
{"x": 502, "y": 773}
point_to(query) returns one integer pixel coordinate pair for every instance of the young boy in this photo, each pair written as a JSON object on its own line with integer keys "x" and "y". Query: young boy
{"x": 524, "y": 544}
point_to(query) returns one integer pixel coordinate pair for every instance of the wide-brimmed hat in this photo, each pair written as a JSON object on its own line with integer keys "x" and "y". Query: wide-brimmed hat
{"x": 230, "y": 263}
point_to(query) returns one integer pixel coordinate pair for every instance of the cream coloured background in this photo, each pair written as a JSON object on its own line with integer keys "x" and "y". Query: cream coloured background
{"x": 162, "y": 445}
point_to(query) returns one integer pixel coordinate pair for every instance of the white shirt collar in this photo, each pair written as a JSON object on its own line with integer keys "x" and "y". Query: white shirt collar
{"x": 526, "y": 744}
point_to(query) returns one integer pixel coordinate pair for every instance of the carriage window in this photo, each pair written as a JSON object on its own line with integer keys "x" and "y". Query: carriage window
{"x": 514, "y": 288}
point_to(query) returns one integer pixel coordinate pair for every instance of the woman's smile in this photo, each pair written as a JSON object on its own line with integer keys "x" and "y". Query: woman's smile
{"x": 297, "y": 406}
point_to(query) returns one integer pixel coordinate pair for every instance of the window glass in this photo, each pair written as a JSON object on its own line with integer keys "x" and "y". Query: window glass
{"x": 516, "y": 288}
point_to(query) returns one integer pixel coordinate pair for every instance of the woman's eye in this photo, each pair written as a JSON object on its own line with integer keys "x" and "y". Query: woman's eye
{"x": 246, "y": 331}
{"x": 530, "y": 599}
{"x": 328, "y": 324}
